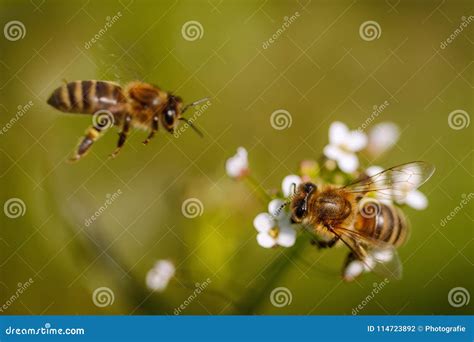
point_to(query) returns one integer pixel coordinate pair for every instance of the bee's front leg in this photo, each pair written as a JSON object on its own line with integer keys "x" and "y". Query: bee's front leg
{"x": 123, "y": 135}
{"x": 154, "y": 128}
{"x": 320, "y": 244}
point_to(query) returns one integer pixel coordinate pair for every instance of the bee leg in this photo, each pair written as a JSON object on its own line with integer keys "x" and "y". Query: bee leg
{"x": 122, "y": 135}
{"x": 154, "y": 128}
{"x": 92, "y": 134}
{"x": 325, "y": 244}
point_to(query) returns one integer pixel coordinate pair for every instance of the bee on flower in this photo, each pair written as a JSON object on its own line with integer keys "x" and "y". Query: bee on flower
{"x": 341, "y": 203}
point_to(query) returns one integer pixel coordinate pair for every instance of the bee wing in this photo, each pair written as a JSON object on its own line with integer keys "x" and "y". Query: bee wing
{"x": 395, "y": 182}
{"x": 378, "y": 256}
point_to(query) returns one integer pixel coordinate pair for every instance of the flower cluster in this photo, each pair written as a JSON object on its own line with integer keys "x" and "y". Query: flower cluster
{"x": 274, "y": 227}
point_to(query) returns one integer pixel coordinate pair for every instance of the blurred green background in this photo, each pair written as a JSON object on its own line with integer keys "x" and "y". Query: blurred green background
{"x": 319, "y": 69}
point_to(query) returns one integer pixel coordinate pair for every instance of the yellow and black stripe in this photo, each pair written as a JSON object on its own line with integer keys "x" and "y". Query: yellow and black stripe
{"x": 388, "y": 224}
{"x": 86, "y": 96}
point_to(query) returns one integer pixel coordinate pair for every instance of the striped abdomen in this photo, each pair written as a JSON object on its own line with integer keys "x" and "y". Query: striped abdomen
{"x": 86, "y": 96}
{"x": 382, "y": 222}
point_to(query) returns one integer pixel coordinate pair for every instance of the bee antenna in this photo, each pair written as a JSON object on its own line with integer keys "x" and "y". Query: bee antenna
{"x": 192, "y": 104}
{"x": 277, "y": 212}
{"x": 293, "y": 188}
{"x": 189, "y": 122}
{"x": 305, "y": 206}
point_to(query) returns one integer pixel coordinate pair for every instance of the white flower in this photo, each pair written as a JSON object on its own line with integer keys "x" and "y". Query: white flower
{"x": 373, "y": 170}
{"x": 404, "y": 192}
{"x": 237, "y": 166}
{"x": 356, "y": 267}
{"x": 412, "y": 197}
{"x": 158, "y": 277}
{"x": 289, "y": 184}
{"x": 384, "y": 196}
{"x": 353, "y": 269}
{"x": 342, "y": 145}
{"x": 382, "y": 137}
{"x": 275, "y": 228}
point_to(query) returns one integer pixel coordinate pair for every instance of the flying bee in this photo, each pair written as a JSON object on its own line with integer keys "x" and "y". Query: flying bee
{"x": 138, "y": 105}
{"x": 370, "y": 228}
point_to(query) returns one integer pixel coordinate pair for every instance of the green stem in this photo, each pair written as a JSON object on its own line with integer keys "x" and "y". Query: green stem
{"x": 253, "y": 183}
{"x": 259, "y": 294}
{"x": 217, "y": 294}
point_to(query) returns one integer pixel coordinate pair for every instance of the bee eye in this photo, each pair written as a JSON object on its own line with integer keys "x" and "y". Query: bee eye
{"x": 169, "y": 116}
{"x": 298, "y": 211}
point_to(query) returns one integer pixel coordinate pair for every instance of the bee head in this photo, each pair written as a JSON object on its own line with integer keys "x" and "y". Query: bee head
{"x": 299, "y": 203}
{"x": 171, "y": 113}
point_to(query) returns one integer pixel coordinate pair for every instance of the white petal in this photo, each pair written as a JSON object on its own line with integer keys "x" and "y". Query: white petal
{"x": 356, "y": 141}
{"x": 332, "y": 152}
{"x": 337, "y": 133}
{"x": 286, "y": 237}
{"x": 265, "y": 240}
{"x": 154, "y": 282}
{"x": 158, "y": 277}
{"x": 242, "y": 152}
{"x": 383, "y": 255}
{"x": 382, "y": 137}
{"x": 373, "y": 170}
{"x": 353, "y": 270}
{"x": 275, "y": 209}
{"x": 348, "y": 162}
{"x": 369, "y": 263}
{"x": 417, "y": 200}
{"x": 263, "y": 222}
{"x": 237, "y": 164}
{"x": 165, "y": 268}
{"x": 287, "y": 184}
